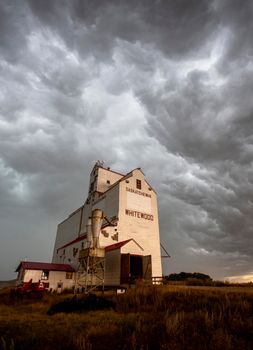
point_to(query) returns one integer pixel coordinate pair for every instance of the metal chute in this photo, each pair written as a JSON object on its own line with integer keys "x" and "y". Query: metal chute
{"x": 96, "y": 223}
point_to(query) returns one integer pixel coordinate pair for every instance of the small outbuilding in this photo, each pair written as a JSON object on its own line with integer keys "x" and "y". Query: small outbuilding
{"x": 56, "y": 277}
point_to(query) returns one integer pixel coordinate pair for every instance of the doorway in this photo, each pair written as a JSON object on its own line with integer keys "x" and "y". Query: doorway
{"x": 134, "y": 267}
{"x": 136, "y": 271}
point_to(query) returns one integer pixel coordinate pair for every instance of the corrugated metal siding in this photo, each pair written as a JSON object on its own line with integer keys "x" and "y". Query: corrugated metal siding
{"x": 112, "y": 268}
{"x": 67, "y": 231}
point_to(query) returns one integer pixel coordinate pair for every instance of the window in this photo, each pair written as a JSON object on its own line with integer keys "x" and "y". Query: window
{"x": 69, "y": 275}
{"x": 75, "y": 251}
{"x": 45, "y": 275}
{"x": 138, "y": 184}
{"x": 108, "y": 182}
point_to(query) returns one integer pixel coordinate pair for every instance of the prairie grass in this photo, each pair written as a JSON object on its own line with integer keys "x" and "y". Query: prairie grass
{"x": 147, "y": 317}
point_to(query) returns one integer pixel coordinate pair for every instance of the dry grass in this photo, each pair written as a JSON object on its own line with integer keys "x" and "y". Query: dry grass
{"x": 148, "y": 317}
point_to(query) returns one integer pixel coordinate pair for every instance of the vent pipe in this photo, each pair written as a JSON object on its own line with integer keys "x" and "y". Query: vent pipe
{"x": 96, "y": 223}
{"x": 89, "y": 233}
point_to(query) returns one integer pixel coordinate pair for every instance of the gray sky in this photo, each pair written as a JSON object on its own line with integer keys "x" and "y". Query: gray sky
{"x": 164, "y": 85}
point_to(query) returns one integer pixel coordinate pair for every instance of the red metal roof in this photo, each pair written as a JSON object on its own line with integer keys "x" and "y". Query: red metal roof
{"x": 32, "y": 265}
{"x": 117, "y": 245}
{"x": 78, "y": 239}
{"x": 121, "y": 244}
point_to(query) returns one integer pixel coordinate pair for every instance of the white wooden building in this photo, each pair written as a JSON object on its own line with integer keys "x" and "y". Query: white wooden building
{"x": 129, "y": 233}
{"x": 57, "y": 277}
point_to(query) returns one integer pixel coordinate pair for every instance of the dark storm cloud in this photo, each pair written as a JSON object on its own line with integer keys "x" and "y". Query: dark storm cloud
{"x": 165, "y": 85}
{"x": 238, "y": 21}
{"x": 175, "y": 27}
{"x": 13, "y": 35}
{"x": 209, "y": 122}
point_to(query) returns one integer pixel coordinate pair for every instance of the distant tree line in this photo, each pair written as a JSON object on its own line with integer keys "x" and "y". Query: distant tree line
{"x": 184, "y": 276}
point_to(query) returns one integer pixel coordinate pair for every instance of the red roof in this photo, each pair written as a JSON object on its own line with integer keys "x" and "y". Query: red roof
{"x": 32, "y": 265}
{"x": 117, "y": 245}
{"x": 78, "y": 239}
{"x": 121, "y": 244}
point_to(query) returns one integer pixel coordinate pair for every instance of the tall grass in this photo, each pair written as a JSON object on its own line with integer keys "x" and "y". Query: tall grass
{"x": 6, "y": 345}
{"x": 148, "y": 317}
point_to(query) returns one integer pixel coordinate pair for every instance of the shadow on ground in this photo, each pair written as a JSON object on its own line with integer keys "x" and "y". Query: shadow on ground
{"x": 88, "y": 303}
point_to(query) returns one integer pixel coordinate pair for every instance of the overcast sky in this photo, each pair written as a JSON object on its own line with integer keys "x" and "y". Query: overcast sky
{"x": 162, "y": 85}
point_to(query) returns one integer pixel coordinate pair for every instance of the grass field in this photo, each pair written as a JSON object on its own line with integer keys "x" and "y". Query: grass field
{"x": 148, "y": 317}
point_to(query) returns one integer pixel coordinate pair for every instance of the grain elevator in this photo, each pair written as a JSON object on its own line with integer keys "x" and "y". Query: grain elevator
{"x": 113, "y": 238}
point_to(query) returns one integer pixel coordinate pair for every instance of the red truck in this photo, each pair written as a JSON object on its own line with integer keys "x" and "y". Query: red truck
{"x": 30, "y": 289}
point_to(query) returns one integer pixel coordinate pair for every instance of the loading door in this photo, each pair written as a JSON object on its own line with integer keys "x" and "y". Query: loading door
{"x": 136, "y": 270}
{"x": 147, "y": 267}
{"x": 135, "y": 267}
{"x": 125, "y": 268}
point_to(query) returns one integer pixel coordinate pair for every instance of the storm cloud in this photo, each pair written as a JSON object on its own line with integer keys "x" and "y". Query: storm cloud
{"x": 162, "y": 85}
